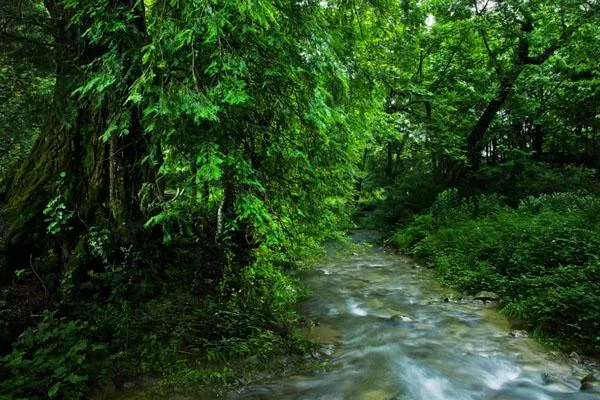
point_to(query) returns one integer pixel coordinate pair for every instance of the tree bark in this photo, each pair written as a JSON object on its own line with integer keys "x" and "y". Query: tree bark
{"x": 475, "y": 141}
{"x": 102, "y": 178}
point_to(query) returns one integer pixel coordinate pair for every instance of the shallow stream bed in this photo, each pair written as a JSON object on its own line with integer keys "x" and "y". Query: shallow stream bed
{"x": 393, "y": 336}
{"x": 389, "y": 335}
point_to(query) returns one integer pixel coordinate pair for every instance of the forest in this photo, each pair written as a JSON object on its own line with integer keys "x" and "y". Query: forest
{"x": 169, "y": 167}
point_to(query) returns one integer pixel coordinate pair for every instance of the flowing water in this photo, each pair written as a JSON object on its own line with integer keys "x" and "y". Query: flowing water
{"x": 392, "y": 336}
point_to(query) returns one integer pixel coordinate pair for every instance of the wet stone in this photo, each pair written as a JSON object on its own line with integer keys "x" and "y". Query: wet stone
{"x": 519, "y": 334}
{"x": 590, "y": 383}
{"x": 575, "y": 357}
{"x": 486, "y": 296}
{"x": 400, "y": 318}
{"x": 323, "y": 351}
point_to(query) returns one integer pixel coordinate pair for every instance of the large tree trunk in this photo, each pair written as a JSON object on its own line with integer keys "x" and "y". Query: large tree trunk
{"x": 101, "y": 177}
{"x": 508, "y": 77}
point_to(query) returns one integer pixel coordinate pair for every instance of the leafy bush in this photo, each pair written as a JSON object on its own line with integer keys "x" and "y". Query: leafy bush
{"x": 541, "y": 257}
{"x": 587, "y": 206}
{"x": 56, "y": 359}
{"x": 565, "y": 304}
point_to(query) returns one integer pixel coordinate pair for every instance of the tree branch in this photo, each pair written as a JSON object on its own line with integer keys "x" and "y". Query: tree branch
{"x": 8, "y": 35}
{"x": 491, "y": 55}
{"x": 442, "y": 74}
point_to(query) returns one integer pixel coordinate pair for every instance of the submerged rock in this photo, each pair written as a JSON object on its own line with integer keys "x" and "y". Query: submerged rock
{"x": 520, "y": 334}
{"x": 398, "y": 317}
{"x": 452, "y": 299}
{"x": 323, "y": 351}
{"x": 549, "y": 379}
{"x": 590, "y": 383}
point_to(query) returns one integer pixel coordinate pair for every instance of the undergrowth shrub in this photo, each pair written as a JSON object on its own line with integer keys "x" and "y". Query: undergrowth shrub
{"x": 565, "y": 304}
{"x": 122, "y": 321}
{"x": 56, "y": 359}
{"x": 541, "y": 257}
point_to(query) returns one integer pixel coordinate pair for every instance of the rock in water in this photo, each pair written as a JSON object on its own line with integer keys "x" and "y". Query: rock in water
{"x": 518, "y": 334}
{"x": 590, "y": 383}
{"x": 486, "y": 296}
{"x": 398, "y": 317}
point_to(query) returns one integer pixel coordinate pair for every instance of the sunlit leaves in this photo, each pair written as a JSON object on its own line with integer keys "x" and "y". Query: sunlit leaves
{"x": 248, "y": 96}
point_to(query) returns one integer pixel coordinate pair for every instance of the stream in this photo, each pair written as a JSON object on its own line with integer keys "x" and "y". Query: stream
{"x": 388, "y": 333}
{"x": 392, "y": 336}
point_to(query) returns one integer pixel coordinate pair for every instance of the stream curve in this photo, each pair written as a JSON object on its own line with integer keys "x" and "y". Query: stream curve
{"x": 392, "y": 336}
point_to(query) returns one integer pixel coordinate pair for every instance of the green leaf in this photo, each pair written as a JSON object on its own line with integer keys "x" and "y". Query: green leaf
{"x": 53, "y": 391}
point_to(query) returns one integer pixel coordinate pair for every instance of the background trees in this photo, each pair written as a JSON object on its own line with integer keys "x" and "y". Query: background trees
{"x": 500, "y": 118}
{"x": 477, "y": 86}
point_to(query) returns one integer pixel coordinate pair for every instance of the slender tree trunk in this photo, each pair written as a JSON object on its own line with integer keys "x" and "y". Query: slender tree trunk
{"x": 359, "y": 181}
{"x": 494, "y": 153}
{"x": 537, "y": 142}
{"x": 389, "y": 169}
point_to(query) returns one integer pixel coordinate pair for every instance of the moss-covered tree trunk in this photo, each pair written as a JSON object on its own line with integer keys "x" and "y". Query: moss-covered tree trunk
{"x": 97, "y": 179}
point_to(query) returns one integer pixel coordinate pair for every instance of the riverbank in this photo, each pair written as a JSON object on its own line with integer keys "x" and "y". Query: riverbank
{"x": 541, "y": 258}
{"x": 389, "y": 333}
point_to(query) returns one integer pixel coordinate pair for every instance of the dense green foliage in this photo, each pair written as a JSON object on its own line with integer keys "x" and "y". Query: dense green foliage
{"x": 490, "y": 108}
{"x": 542, "y": 257}
{"x": 206, "y": 149}
{"x": 167, "y": 167}
{"x": 26, "y": 82}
